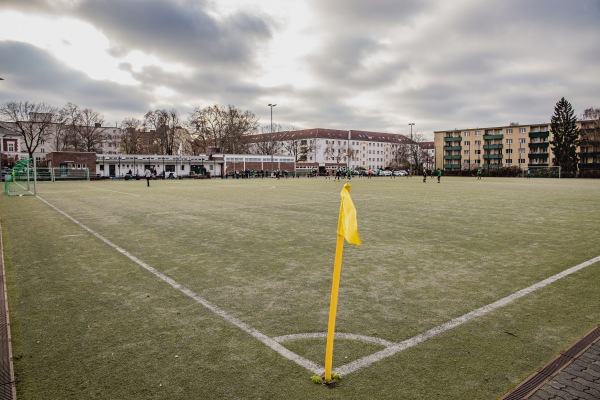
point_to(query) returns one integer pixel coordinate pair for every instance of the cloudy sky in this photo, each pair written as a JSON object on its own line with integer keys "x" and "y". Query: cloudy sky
{"x": 374, "y": 65}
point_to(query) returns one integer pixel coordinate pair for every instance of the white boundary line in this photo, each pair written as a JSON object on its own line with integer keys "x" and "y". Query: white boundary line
{"x": 368, "y": 360}
{"x": 391, "y": 349}
{"x": 307, "y": 364}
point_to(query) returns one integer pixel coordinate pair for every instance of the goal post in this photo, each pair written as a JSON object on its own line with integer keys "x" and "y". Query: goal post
{"x": 21, "y": 179}
{"x": 48, "y": 174}
{"x": 552, "y": 171}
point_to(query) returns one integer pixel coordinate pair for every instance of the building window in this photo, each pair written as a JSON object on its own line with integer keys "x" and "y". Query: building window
{"x": 477, "y": 151}
{"x": 521, "y": 140}
{"x": 466, "y": 152}
{"x": 509, "y": 131}
{"x": 521, "y": 151}
{"x": 467, "y": 143}
{"x": 509, "y": 151}
{"x": 477, "y": 133}
{"x": 508, "y": 141}
{"x": 11, "y": 146}
{"x": 478, "y": 143}
{"x": 509, "y": 160}
{"x": 466, "y": 133}
{"x": 522, "y": 130}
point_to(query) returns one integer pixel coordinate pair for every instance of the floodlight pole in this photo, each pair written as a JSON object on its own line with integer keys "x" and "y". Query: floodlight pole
{"x": 411, "y": 146}
{"x": 272, "y": 105}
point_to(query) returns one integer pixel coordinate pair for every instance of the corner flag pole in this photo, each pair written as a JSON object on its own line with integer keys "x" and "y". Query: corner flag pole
{"x": 337, "y": 269}
{"x": 348, "y": 229}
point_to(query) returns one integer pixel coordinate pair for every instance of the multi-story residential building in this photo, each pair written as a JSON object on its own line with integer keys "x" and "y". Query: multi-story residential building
{"x": 516, "y": 145}
{"x": 327, "y": 149}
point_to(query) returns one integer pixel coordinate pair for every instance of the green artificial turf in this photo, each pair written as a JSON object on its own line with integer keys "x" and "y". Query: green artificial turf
{"x": 88, "y": 322}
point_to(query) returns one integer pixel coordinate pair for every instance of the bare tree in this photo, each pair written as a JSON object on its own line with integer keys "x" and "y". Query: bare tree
{"x": 131, "y": 137}
{"x": 32, "y": 120}
{"x": 60, "y": 137}
{"x": 225, "y": 128}
{"x": 164, "y": 124}
{"x": 208, "y": 126}
{"x": 239, "y": 124}
{"x": 89, "y": 130}
{"x": 400, "y": 153}
{"x": 84, "y": 128}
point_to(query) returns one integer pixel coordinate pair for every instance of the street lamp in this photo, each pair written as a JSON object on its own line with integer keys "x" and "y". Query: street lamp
{"x": 272, "y": 105}
{"x": 411, "y": 146}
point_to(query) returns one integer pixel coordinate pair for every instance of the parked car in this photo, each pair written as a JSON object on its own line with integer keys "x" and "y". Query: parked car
{"x": 400, "y": 173}
{"x": 386, "y": 172}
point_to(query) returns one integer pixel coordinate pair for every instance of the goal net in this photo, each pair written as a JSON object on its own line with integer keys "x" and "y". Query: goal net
{"x": 63, "y": 174}
{"x": 552, "y": 171}
{"x": 20, "y": 180}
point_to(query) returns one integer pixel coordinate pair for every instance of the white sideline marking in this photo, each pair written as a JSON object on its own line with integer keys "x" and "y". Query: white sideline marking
{"x": 391, "y": 349}
{"x": 307, "y": 364}
{"x": 368, "y": 360}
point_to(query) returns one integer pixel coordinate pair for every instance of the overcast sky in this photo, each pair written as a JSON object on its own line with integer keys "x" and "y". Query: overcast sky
{"x": 374, "y": 65}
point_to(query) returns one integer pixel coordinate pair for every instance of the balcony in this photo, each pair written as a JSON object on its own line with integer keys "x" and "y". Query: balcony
{"x": 492, "y": 146}
{"x": 492, "y": 156}
{"x": 539, "y": 145}
{"x": 493, "y": 137}
{"x": 452, "y": 157}
{"x": 537, "y": 165}
{"x": 452, "y": 139}
{"x": 538, "y": 155}
{"x": 451, "y": 166}
{"x": 543, "y": 134}
{"x": 453, "y": 148}
{"x": 587, "y": 154}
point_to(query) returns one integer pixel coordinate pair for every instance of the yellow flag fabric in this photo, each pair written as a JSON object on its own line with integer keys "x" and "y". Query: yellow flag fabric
{"x": 347, "y": 225}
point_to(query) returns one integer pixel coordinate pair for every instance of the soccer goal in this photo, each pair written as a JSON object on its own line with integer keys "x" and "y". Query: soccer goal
{"x": 63, "y": 174}
{"x": 552, "y": 171}
{"x": 21, "y": 179}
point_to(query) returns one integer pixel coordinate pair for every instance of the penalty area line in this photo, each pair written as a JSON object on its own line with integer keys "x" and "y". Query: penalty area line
{"x": 290, "y": 355}
{"x": 390, "y": 351}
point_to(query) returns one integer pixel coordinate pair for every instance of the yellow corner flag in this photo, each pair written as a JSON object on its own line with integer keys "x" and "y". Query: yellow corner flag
{"x": 347, "y": 226}
{"x": 348, "y": 229}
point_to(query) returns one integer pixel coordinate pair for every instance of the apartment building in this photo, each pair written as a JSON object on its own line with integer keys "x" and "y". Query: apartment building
{"x": 516, "y": 145}
{"x": 327, "y": 149}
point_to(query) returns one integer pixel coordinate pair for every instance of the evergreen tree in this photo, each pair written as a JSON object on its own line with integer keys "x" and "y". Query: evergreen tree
{"x": 566, "y": 136}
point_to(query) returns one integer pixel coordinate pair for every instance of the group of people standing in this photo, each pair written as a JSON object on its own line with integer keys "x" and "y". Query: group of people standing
{"x": 433, "y": 173}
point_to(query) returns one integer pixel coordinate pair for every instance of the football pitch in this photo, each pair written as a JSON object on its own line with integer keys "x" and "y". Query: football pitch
{"x": 220, "y": 289}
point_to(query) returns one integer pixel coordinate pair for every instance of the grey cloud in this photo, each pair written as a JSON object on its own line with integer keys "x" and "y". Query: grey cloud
{"x": 446, "y": 65}
{"x": 178, "y": 31}
{"x": 357, "y": 14}
{"x": 32, "y": 74}
{"x": 353, "y": 62}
